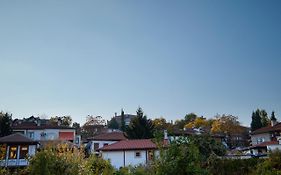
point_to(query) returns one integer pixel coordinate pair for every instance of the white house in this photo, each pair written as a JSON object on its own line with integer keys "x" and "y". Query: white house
{"x": 15, "y": 149}
{"x": 105, "y": 139}
{"x": 46, "y": 132}
{"x": 130, "y": 152}
{"x": 266, "y": 138}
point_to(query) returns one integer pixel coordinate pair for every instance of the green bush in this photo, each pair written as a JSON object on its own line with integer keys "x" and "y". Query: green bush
{"x": 272, "y": 165}
{"x": 233, "y": 166}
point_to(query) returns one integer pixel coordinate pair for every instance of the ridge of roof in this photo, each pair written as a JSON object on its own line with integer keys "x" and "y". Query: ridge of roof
{"x": 16, "y": 138}
{"x": 138, "y": 144}
{"x": 267, "y": 129}
{"x": 114, "y": 136}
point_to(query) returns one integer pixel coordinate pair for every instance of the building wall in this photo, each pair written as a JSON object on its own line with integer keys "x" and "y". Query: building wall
{"x": 273, "y": 147}
{"x": 45, "y": 134}
{"x": 131, "y": 159}
{"x": 117, "y": 157}
{"x": 101, "y": 144}
{"x": 259, "y": 138}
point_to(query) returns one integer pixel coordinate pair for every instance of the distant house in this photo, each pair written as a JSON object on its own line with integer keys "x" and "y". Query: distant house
{"x": 42, "y": 130}
{"x": 105, "y": 139}
{"x": 127, "y": 118}
{"x": 130, "y": 152}
{"x": 266, "y": 138}
{"x": 17, "y": 148}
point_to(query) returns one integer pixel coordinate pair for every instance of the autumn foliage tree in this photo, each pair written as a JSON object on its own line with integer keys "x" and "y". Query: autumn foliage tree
{"x": 227, "y": 125}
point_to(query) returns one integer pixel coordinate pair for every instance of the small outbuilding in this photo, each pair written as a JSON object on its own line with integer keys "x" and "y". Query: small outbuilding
{"x": 15, "y": 149}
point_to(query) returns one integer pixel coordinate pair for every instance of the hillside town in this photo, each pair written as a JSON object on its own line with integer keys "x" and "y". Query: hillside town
{"x": 134, "y": 140}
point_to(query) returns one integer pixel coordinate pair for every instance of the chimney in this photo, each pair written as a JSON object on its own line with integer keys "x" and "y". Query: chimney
{"x": 115, "y": 114}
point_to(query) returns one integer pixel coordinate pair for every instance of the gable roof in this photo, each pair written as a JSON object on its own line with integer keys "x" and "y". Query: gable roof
{"x": 266, "y": 129}
{"x": 140, "y": 144}
{"x": 17, "y": 138}
{"x": 265, "y": 144}
{"x": 112, "y": 136}
{"x": 34, "y": 126}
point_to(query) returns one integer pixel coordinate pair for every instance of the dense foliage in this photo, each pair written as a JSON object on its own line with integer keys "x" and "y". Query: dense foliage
{"x": 140, "y": 127}
{"x": 5, "y": 124}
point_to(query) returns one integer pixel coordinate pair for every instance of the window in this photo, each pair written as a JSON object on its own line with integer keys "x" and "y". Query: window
{"x": 23, "y": 152}
{"x": 30, "y": 135}
{"x": 137, "y": 154}
{"x": 13, "y": 152}
{"x": 96, "y": 146}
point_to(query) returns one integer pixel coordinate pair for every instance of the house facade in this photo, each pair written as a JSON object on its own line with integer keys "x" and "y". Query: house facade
{"x": 130, "y": 152}
{"x": 104, "y": 139}
{"x": 15, "y": 149}
{"x": 43, "y": 131}
{"x": 266, "y": 138}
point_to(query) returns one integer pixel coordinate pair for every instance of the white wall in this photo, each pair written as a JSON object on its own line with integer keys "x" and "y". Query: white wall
{"x": 257, "y": 137}
{"x": 31, "y": 150}
{"x": 131, "y": 159}
{"x": 101, "y": 144}
{"x": 273, "y": 147}
{"x": 51, "y": 134}
{"x": 117, "y": 157}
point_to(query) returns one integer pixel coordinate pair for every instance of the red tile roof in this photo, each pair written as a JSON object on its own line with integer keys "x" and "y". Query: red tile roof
{"x": 264, "y": 144}
{"x": 36, "y": 127}
{"x": 266, "y": 129}
{"x": 112, "y": 136}
{"x": 17, "y": 138}
{"x": 140, "y": 144}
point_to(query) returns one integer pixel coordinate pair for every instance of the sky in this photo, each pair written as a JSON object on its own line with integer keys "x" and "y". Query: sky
{"x": 171, "y": 58}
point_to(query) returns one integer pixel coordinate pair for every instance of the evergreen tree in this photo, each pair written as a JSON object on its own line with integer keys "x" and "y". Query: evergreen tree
{"x": 113, "y": 124}
{"x": 123, "y": 125}
{"x": 140, "y": 127}
{"x": 273, "y": 118}
{"x": 264, "y": 118}
{"x": 5, "y": 124}
{"x": 256, "y": 120}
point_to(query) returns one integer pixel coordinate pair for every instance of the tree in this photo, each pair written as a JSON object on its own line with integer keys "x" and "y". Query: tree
{"x": 227, "y": 125}
{"x": 160, "y": 123}
{"x": 140, "y": 127}
{"x": 123, "y": 124}
{"x": 77, "y": 127}
{"x": 272, "y": 117}
{"x": 113, "y": 124}
{"x": 199, "y": 122}
{"x": 264, "y": 118}
{"x": 256, "y": 120}
{"x": 190, "y": 117}
{"x": 5, "y": 124}
{"x": 62, "y": 121}
{"x": 187, "y": 155}
{"x": 92, "y": 126}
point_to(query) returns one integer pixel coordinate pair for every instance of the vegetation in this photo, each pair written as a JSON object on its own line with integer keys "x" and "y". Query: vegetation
{"x": 123, "y": 124}
{"x": 62, "y": 121}
{"x": 140, "y": 127}
{"x": 113, "y": 124}
{"x": 260, "y": 119}
{"x": 5, "y": 124}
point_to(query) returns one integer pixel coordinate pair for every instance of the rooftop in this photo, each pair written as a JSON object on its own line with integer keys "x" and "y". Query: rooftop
{"x": 140, "y": 144}
{"x": 17, "y": 138}
{"x": 112, "y": 136}
{"x": 266, "y": 129}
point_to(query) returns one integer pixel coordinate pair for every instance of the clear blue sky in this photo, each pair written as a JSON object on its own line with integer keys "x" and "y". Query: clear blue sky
{"x": 169, "y": 57}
